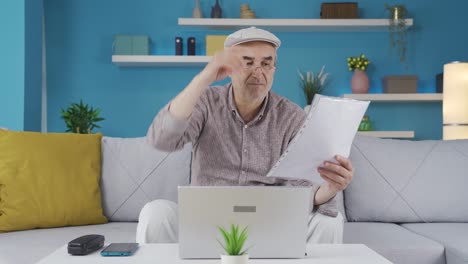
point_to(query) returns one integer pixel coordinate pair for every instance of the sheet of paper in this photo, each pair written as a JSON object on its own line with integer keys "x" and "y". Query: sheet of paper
{"x": 328, "y": 130}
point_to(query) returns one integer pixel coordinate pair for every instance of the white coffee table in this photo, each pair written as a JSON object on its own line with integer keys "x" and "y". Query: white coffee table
{"x": 169, "y": 254}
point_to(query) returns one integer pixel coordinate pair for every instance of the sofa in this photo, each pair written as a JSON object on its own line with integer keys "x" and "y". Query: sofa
{"x": 407, "y": 201}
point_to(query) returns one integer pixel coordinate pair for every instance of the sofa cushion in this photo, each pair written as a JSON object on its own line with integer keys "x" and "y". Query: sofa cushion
{"x": 408, "y": 181}
{"x": 394, "y": 242}
{"x": 39, "y": 243}
{"x": 134, "y": 173}
{"x": 49, "y": 180}
{"x": 454, "y": 236}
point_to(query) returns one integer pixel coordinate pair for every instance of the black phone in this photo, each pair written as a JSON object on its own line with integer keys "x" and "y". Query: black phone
{"x": 119, "y": 249}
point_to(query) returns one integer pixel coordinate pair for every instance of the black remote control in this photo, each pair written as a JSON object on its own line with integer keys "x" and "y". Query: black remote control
{"x": 84, "y": 245}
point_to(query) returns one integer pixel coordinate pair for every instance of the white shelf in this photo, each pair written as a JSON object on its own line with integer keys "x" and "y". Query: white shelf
{"x": 163, "y": 61}
{"x": 388, "y": 134}
{"x": 292, "y": 25}
{"x": 423, "y": 97}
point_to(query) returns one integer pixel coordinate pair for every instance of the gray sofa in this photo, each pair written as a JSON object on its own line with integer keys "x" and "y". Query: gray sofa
{"x": 407, "y": 201}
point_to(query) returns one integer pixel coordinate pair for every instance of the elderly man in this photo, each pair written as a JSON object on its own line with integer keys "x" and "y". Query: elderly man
{"x": 238, "y": 132}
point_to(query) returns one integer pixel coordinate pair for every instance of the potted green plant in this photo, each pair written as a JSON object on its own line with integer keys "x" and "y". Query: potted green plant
{"x": 81, "y": 118}
{"x": 398, "y": 28}
{"x": 366, "y": 124}
{"x": 233, "y": 245}
{"x": 312, "y": 84}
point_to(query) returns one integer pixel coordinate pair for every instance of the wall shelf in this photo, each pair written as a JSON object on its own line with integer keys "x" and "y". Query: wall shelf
{"x": 422, "y": 97}
{"x": 159, "y": 61}
{"x": 388, "y": 134}
{"x": 292, "y": 25}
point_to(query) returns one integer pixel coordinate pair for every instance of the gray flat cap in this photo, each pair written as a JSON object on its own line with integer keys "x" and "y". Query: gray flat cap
{"x": 251, "y": 34}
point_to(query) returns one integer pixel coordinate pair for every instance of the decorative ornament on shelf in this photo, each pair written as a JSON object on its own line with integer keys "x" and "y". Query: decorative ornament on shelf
{"x": 398, "y": 29}
{"x": 81, "y": 118}
{"x": 216, "y": 11}
{"x": 366, "y": 124}
{"x": 233, "y": 244}
{"x": 312, "y": 84}
{"x": 360, "y": 80}
{"x": 197, "y": 13}
{"x": 246, "y": 12}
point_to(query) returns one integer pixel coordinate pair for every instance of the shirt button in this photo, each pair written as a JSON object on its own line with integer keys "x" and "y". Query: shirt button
{"x": 245, "y": 150}
{"x": 246, "y": 126}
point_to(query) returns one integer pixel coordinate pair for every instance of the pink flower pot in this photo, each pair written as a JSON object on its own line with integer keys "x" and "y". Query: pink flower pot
{"x": 359, "y": 82}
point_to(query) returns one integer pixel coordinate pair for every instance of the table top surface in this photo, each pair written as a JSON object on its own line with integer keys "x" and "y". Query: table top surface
{"x": 169, "y": 254}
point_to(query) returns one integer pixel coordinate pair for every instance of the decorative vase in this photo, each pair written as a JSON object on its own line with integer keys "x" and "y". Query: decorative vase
{"x": 216, "y": 11}
{"x": 242, "y": 259}
{"x": 359, "y": 82}
{"x": 197, "y": 13}
{"x": 366, "y": 124}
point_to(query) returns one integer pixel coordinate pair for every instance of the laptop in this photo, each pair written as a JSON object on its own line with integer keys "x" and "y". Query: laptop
{"x": 276, "y": 218}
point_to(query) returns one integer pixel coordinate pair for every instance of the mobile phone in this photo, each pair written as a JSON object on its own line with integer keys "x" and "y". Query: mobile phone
{"x": 119, "y": 249}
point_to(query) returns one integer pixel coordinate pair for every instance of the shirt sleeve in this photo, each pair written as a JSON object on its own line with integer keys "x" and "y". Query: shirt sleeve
{"x": 167, "y": 133}
{"x": 329, "y": 208}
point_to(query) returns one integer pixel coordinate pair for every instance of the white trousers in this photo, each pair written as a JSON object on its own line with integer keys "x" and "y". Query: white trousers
{"x": 158, "y": 223}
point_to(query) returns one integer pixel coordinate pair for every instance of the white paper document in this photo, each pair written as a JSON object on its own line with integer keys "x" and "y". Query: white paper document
{"x": 328, "y": 130}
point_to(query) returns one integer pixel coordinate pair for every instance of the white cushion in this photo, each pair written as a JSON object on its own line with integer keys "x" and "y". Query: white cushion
{"x": 134, "y": 173}
{"x": 454, "y": 236}
{"x": 408, "y": 181}
{"x": 395, "y": 243}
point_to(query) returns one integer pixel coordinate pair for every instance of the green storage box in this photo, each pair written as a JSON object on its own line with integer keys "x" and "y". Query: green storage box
{"x": 140, "y": 45}
{"x": 131, "y": 45}
{"x": 123, "y": 45}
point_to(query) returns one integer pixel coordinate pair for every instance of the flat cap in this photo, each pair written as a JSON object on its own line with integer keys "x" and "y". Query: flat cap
{"x": 251, "y": 34}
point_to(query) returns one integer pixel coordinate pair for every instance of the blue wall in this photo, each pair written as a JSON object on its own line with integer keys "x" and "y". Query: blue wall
{"x": 12, "y": 65}
{"x": 33, "y": 66}
{"x": 21, "y": 52}
{"x": 79, "y": 49}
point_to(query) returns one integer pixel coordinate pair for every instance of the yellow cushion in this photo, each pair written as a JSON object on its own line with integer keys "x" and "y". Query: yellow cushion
{"x": 49, "y": 180}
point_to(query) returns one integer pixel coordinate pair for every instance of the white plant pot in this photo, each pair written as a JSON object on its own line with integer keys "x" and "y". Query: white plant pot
{"x": 242, "y": 259}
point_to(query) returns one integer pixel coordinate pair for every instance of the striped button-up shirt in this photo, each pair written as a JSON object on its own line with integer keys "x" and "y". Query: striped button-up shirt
{"x": 227, "y": 150}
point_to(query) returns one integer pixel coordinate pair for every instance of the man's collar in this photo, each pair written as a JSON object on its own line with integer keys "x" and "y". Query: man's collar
{"x": 233, "y": 107}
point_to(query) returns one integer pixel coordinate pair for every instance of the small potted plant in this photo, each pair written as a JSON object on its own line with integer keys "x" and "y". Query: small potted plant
{"x": 360, "y": 80}
{"x": 398, "y": 29}
{"x": 81, "y": 118}
{"x": 312, "y": 84}
{"x": 233, "y": 244}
